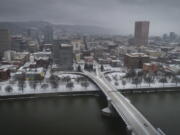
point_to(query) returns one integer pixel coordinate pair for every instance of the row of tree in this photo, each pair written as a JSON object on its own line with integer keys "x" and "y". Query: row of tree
{"x": 54, "y": 81}
{"x": 138, "y": 77}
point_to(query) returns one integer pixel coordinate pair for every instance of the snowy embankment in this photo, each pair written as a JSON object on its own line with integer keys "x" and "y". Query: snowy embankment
{"x": 8, "y": 88}
{"x": 118, "y": 80}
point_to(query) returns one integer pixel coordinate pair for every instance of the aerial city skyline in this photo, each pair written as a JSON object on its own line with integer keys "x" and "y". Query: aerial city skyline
{"x": 89, "y": 67}
{"x": 117, "y": 15}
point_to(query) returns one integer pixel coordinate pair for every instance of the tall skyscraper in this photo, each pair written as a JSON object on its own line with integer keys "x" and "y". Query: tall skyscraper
{"x": 63, "y": 55}
{"x": 4, "y": 41}
{"x": 48, "y": 34}
{"x": 33, "y": 33}
{"x": 172, "y": 36}
{"x": 141, "y": 33}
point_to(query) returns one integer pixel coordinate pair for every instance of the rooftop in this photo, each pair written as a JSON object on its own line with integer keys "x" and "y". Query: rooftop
{"x": 66, "y": 45}
{"x": 137, "y": 55}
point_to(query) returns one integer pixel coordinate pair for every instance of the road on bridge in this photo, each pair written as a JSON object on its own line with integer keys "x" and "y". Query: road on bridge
{"x": 134, "y": 120}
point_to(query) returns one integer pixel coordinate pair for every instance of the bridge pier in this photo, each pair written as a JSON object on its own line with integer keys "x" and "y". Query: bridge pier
{"x": 129, "y": 130}
{"x": 108, "y": 110}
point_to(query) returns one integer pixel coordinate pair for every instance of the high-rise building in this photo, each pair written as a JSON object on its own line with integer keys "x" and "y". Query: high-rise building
{"x": 141, "y": 33}
{"x": 172, "y": 36}
{"x": 48, "y": 34}
{"x": 33, "y": 33}
{"x": 4, "y": 41}
{"x": 18, "y": 44}
{"x": 63, "y": 55}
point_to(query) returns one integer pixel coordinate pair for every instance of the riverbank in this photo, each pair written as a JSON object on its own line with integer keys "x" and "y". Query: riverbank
{"x": 150, "y": 90}
{"x": 46, "y": 95}
{"x": 87, "y": 93}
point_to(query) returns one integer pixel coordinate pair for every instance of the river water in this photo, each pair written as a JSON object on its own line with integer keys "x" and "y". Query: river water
{"x": 161, "y": 109}
{"x": 81, "y": 115}
{"x": 78, "y": 115}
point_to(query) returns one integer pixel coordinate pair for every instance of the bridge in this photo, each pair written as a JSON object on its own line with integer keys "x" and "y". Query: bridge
{"x": 136, "y": 123}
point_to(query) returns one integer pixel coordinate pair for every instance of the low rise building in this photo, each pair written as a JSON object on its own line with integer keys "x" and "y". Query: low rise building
{"x": 4, "y": 73}
{"x": 150, "y": 67}
{"x": 15, "y": 58}
{"x": 135, "y": 60}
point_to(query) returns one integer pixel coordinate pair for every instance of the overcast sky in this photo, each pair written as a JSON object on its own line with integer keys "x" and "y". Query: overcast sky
{"x": 118, "y": 15}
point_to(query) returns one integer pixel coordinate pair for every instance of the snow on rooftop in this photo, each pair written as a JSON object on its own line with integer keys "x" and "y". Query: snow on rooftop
{"x": 137, "y": 55}
{"x": 66, "y": 45}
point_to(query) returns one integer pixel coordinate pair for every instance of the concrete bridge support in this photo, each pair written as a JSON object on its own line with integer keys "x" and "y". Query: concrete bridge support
{"x": 108, "y": 110}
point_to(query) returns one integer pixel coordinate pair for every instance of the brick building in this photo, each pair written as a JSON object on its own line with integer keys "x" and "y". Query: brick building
{"x": 135, "y": 60}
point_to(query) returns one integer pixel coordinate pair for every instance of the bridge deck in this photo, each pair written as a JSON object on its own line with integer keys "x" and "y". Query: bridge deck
{"x": 133, "y": 118}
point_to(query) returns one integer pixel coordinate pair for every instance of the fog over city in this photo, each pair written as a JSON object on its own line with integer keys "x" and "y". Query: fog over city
{"x": 118, "y": 15}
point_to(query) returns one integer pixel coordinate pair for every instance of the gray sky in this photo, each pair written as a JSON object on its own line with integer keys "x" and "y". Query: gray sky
{"x": 118, "y": 15}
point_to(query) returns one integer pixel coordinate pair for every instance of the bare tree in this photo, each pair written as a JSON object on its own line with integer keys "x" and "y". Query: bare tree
{"x": 85, "y": 84}
{"x": 163, "y": 80}
{"x": 136, "y": 81}
{"x": 108, "y": 78}
{"x": 115, "y": 77}
{"x": 21, "y": 85}
{"x": 44, "y": 86}
{"x": 66, "y": 79}
{"x": 8, "y": 89}
{"x": 102, "y": 68}
{"x": 70, "y": 85}
{"x": 123, "y": 83}
{"x": 175, "y": 80}
{"x": 116, "y": 83}
{"x": 33, "y": 84}
{"x": 21, "y": 82}
{"x": 54, "y": 81}
{"x": 148, "y": 79}
{"x": 79, "y": 68}
{"x": 54, "y": 84}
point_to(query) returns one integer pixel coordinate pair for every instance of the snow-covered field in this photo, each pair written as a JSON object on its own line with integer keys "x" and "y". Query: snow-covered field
{"x": 46, "y": 87}
{"x": 116, "y": 79}
{"x": 108, "y": 67}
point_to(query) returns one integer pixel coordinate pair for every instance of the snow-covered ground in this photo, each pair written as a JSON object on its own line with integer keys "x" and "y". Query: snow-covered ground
{"x": 61, "y": 87}
{"x": 108, "y": 67}
{"x": 118, "y": 82}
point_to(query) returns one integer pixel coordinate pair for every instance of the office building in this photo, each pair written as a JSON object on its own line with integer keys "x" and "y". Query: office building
{"x": 4, "y": 41}
{"x": 63, "y": 55}
{"x": 48, "y": 34}
{"x": 141, "y": 33}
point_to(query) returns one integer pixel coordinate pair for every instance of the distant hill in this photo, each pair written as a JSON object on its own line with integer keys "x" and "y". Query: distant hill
{"x": 21, "y": 27}
{"x": 82, "y": 29}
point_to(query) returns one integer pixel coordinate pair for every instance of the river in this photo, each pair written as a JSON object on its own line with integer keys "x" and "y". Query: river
{"x": 161, "y": 109}
{"x": 81, "y": 115}
{"x": 78, "y": 115}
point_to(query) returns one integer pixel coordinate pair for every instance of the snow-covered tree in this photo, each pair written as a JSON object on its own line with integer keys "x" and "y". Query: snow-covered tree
{"x": 163, "y": 80}
{"x": 70, "y": 85}
{"x": 54, "y": 84}
{"x": 116, "y": 83}
{"x": 66, "y": 79}
{"x": 8, "y": 89}
{"x": 21, "y": 84}
{"x": 136, "y": 81}
{"x": 79, "y": 68}
{"x": 108, "y": 78}
{"x": 148, "y": 80}
{"x": 85, "y": 84}
{"x": 102, "y": 68}
{"x": 33, "y": 84}
{"x": 44, "y": 86}
{"x": 123, "y": 83}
